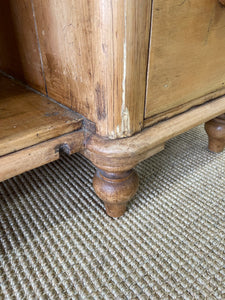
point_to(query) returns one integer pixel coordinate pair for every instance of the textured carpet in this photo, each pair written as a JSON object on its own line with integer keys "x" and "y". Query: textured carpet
{"x": 58, "y": 243}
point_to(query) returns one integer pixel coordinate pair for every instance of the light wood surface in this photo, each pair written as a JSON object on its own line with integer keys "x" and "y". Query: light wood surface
{"x": 27, "y": 118}
{"x": 124, "y": 154}
{"x": 180, "y": 109}
{"x": 71, "y": 45}
{"x": 32, "y": 157}
{"x": 95, "y": 55}
{"x": 19, "y": 52}
{"x": 186, "y": 54}
{"x": 130, "y": 34}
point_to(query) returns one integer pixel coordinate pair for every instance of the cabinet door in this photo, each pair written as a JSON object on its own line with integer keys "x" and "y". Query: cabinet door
{"x": 186, "y": 57}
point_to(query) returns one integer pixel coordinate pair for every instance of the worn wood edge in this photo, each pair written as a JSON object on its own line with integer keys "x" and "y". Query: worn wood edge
{"x": 181, "y": 108}
{"x": 35, "y": 156}
{"x": 122, "y": 162}
{"x": 123, "y": 154}
{"x": 23, "y": 142}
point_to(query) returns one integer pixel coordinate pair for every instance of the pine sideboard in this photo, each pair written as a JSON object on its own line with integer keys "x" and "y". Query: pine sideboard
{"x": 111, "y": 79}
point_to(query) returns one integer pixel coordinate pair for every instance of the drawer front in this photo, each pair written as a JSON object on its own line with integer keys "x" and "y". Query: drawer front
{"x": 187, "y": 55}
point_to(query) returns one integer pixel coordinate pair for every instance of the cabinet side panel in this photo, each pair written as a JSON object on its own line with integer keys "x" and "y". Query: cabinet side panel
{"x": 75, "y": 41}
{"x": 19, "y": 53}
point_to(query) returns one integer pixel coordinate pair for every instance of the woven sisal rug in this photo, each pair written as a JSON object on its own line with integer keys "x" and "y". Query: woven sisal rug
{"x": 58, "y": 243}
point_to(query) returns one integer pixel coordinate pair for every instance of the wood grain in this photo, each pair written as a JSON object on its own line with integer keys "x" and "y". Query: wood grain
{"x": 19, "y": 53}
{"x": 124, "y": 154}
{"x": 186, "y": 59}
{"x": 27, "y": 159}
{"x": 115, "y": 190}
{"x": 70, "y": 41}
{"x": 28, "y": 118}
{"x": 95, "y": 55}
{"x": 180, "y": 109}
{"x": 130, "y": 35}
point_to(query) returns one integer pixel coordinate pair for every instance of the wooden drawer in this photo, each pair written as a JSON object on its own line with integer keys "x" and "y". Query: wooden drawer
{"x": 186, "y": 57}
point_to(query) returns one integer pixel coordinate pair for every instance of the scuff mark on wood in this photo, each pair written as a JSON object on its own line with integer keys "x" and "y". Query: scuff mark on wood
{"x": 100, "y": 101}
{"x": 125, "y": 124}
{"x": 182, "y": 3}
{"x": 209, "y": 28}
{"x": 124, "y": 60}
{"x": 125, "y": 128}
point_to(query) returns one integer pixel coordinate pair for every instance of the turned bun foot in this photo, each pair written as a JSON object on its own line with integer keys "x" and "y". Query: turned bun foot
{"x": 216, "y": 133}
{"x": 115, "y": 190}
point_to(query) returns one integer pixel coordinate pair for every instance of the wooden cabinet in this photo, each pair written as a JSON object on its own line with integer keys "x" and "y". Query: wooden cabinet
{"x": 112, "y": 79}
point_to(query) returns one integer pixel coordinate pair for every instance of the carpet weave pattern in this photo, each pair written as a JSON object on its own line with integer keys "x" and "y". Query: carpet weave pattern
{"x": 58, "y": 243}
